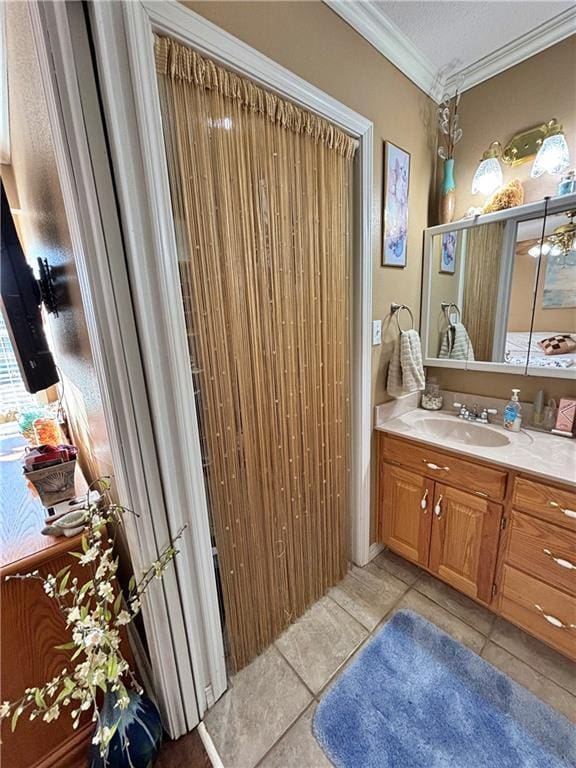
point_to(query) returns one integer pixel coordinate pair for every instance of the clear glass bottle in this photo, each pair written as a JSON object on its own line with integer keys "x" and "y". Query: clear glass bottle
{"x": 432, "y": 399}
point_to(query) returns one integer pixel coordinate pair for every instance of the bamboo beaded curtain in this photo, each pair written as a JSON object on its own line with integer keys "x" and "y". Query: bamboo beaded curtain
{"x": 261, "y": 196}
{"x": 482, "y": 275}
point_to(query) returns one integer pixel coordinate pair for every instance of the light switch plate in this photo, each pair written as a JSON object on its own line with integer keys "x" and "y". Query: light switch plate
{"x": 376, "y": 332}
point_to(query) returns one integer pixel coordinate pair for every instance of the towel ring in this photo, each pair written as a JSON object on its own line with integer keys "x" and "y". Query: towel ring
{"x": 395, "y": 309}
{"x": 446, "y": 308}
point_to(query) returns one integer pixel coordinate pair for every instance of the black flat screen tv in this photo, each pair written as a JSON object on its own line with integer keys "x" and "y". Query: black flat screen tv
{"x": 20, "y": 301}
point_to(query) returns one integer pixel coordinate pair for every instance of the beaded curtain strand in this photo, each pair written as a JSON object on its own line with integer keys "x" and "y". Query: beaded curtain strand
{"x": 261, "y": 197}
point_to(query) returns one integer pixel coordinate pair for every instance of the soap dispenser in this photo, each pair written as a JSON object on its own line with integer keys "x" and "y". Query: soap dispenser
{"x": 512, "y": 413}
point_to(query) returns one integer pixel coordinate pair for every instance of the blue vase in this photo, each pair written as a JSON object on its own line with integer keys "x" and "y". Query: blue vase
{"x": 448, "y": 193}
{"x": 138, "y": 737}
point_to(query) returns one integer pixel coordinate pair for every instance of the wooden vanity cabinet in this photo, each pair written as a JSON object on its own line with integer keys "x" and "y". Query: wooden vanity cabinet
{"x": 504, "y": 539}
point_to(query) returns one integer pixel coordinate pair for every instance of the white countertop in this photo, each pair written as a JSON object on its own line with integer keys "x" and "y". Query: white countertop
{"x": 548, "y": 456}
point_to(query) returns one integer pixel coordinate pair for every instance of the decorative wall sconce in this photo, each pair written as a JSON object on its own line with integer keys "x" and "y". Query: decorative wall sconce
{"x": 546, "y": 143}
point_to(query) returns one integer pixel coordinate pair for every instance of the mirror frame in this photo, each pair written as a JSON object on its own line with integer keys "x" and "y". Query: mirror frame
{"x": 512, "y": 217}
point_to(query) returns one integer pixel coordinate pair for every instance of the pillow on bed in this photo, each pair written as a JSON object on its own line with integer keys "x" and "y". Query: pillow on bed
{"x": 560, "y": 344}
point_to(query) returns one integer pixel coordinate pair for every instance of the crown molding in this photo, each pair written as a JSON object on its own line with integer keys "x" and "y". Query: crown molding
{"x": 370, "y": 21}
{"x": 537, "y": 40}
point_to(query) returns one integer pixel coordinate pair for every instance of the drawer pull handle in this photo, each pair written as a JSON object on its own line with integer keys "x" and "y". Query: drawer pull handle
{"x": 424, "y": 500}
{"x": 560, "y": 561}
{"x": 431, "y": 465}
{"x": 553, "y": 619}
{"x": 567, "y": 512}
{"x": 438, "y": 508}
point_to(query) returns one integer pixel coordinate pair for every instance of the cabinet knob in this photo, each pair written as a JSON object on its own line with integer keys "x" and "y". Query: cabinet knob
{"x": 432, "y": 465}
{"x": 438, "y": 508}
{"x": 554, "y": 620}
{"x": 567, "y": 512}
{"x": 560, "y": 561}
{"x": 424, "y": 500}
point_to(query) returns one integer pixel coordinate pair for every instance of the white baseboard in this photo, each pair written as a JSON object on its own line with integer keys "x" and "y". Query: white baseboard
{"x": 209, "y": 746}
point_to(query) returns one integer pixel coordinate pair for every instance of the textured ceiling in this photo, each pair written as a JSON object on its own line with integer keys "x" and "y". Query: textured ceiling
{"x": 453, "y": 35}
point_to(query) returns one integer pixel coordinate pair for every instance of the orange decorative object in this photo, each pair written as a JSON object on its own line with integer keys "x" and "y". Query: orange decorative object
{"x": 48, "y": 432}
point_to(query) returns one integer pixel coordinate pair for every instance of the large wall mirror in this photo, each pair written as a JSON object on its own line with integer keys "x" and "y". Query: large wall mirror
{"x": 499, "y": 291}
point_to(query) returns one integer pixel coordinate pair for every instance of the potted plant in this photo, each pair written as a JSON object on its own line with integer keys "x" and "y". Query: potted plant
{"x": 127, "y": 726}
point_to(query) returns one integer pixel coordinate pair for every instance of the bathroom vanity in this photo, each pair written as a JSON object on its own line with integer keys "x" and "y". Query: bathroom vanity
{"x": 491, "y": 513}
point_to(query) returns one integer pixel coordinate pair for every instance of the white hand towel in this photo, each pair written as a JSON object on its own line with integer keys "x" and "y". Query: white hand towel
{"x": 456, "y": 344}
{"x": 405, "y": 372}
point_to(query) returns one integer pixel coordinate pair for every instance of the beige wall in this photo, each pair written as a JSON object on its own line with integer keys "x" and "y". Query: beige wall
{"x": 32, "y": 185}
{"x": 312, "y": 41}
{"x": 530, "y": 93}
{"x": 316, "y": 44}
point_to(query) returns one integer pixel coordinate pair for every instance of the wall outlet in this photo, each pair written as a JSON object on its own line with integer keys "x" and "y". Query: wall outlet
{"x": 376, "y": 332}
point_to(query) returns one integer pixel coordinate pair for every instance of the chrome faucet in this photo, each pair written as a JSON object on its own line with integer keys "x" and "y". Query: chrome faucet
{"x": 473, "y": 414}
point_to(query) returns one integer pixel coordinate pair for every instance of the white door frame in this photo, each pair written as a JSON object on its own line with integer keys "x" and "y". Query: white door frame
{"x": 184, "y": 640}
{"x": 123, "y": 42}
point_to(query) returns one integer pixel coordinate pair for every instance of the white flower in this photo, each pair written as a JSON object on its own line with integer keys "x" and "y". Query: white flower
{"x": 123, "y": 618}
{"x": 122, "y": 702}
{"x": 50, "y": 586}
{"x": 73, "y": 615}
{"x": 52, "y": 713}
{"x": 93, "y": 638}
{"x": 106, "y": 591}
{"x": 135, "y": 605}
{"x": 103, "y": 735}
{"x": 89, "y": 556}
{"x": 4, "y": 709}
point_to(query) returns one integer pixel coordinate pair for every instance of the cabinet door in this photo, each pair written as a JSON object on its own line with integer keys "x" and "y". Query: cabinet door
{"x": 464, "y": 545}
{"x": 406, "y": 513}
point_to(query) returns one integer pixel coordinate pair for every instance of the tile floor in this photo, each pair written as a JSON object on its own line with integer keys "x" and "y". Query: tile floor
{"x": 265, "y": 718}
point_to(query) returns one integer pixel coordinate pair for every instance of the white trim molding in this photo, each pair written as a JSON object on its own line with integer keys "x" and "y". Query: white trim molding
{"x": 123, "y": 36}
{"x": 123, "y": 45}
{"x": 369, "y": 19}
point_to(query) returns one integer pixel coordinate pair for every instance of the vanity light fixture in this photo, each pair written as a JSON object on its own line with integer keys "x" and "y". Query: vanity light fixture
{"x": 545, "y": 142}
{"x": 553, "y": 156}
{"x": 488, "y": 177}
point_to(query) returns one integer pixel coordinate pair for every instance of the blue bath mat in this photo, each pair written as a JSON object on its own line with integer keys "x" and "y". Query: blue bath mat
{"x": 416, "y": 698}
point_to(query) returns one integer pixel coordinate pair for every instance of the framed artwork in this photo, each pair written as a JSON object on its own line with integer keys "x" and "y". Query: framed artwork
{"x": 395, "y": 205}
{"x": 448, "y": 252}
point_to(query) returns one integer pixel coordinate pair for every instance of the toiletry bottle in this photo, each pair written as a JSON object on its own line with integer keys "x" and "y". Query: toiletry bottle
{"x": 538, "y": 413}
{"x": 512, "y": 417}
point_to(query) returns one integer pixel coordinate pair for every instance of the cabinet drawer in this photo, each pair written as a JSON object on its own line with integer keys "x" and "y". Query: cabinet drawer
{"x": 540, "y": 609}
{"x": 543, "y": 550}
{"x": 475, "y": 478}
{"x": 556, "y": 506}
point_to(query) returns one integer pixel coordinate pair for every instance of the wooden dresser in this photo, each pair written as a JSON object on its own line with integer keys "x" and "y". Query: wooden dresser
{"x": 505, "y": 539}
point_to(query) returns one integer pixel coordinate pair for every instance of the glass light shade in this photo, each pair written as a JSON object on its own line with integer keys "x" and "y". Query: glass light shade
{"x": 488, "y": 177}
{"x": 553, "y": 156}
{"x": 538, "y": 250}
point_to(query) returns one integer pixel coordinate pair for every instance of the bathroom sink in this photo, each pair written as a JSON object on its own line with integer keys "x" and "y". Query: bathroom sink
{"x": 465, "y": 432}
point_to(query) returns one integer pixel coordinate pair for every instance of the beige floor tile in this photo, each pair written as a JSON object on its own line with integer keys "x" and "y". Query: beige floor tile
{"x": 446, "y": 621}
{"x": 397, "y": 566}
{"x": 539, "y": 656}
{"x": 541, "y": 686}
{"x": 320, "y": 642}
{"x": 478, "y": 617}
{"x": 367, "y": 597}
{"x": 298, "y": 748}
{"x": 266, "y": 698}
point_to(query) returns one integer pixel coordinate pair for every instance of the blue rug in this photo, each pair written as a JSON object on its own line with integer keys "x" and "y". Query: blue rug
{"x": 416, "y": 698}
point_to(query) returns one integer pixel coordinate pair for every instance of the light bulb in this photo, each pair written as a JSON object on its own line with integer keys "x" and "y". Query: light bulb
{"x": 553, "y": 156}
{"x": 488, "y": 177}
